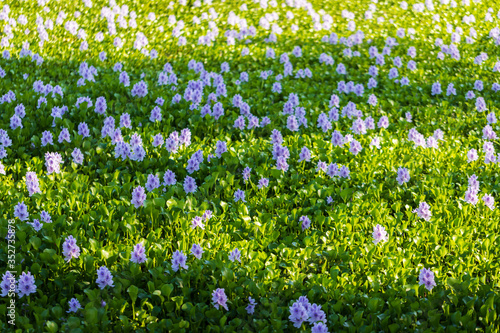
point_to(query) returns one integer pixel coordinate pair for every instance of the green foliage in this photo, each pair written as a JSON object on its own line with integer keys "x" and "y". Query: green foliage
{"x": 362, "y": 287}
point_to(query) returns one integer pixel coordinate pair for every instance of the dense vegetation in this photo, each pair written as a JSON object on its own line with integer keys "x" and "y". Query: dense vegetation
{"x": 249, "y": 166}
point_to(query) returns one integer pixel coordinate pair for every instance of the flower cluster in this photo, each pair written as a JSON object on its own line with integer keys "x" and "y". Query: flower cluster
{"x": 302, "y": 311}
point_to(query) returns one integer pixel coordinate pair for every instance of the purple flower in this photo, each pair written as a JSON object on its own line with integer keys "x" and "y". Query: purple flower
{"x": 298, "y": 314}
{"x": 306, "y": 222}
{"x": 155, "y": 114}
{"x": 471, "y": 196}
{"x": 70, "y": 249}
{"x": 45, "y": 217}
{"x": 383, "y": 122}
{"x": 47, "y": 138}
{"x": 403, "y": 176}
{"x": 140, "y": 89}
{"x": 207, "y": 215}
{"x": 263, "y": 182}
{"x": 379, "y": 234}
{"x": 321, "y": 166}
{"x": 15, "y": 122}
{"x": 32, "y": 183}
{"x": 472, "y": 155}
{"x": 489, "y": 201}
{"x": 337, "y": 139}
{"x": 408, "y": 117}
{"x": 104, "y": 277}
{"x": 83, "y": 130}
{"x": 292, "y": 124}
{"x": 220, "y": 148}
{"x": 100, "y": 105}
{"x": 8, "y": 284}
{"x": 426, "y": 278}
{"x": 179, "y": 260}
{"x": 36, "y": 225}
{"x": 305, "y": 155}
{"x": 246, "y": 174}
{"x": 491, "y": 118}
{"x": 169, "y": 178}
{"x": 197, "y": 221}
{"x": 319, "y": 327}
{"x": 138, "y": 196}
{"x": 152, "y": 183}
{"x": 197, "y": 251}
{"x": 77, "y": 156}
{"x": 355, "y": 147}
{"x": 239, "y": 195}
{"x": 138, "y": 254}
{"x": 315, "y": 313}
{"x": 470, "y": 95}
{"x": 436, "y": 88}
{"x": 359, "y": 127}
{"x": 26, "y": 285}
{"x": 74, "y": 305}
{"x": 423, "y": 211}
{"x": 219, "y": 298}
{"x": 158, "y": 140}
{"x": 235, "y": 255}
{"x": 251, "y": 306}
{"x": 125, "y": 120}
{"x": 53, "y": 162}
{"x": 190, "y": 185}
{"x": 480, "y": 104}
{"x": 21, "y": 211}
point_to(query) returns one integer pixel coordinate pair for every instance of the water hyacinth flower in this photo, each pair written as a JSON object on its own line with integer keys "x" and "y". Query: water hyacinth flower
{"x": 26, "y": 285}
{"x": 471, "y": 196}
{"x": 379, "y": 234}
{"x": 138, "y": 196}
{"x": 32, "y": 183}
{"x": 355, "y": 147}
{"x": 489, "y": 201}
{"x": 207, "y": 215}
{"x": 179, "y": 260}
{"x": 104, "y": 277}
{"x": 423, "y": 211}
{"x": 36, "y": 224}
{"x": 169, "y": 178}
{"x": 190, "y": 185}
{"x": 426, "y": 278}
{"x": 239, "y": 195}
{"x": 263, "y": 182}
{"x": 74, "y": 305}
{"x": 472, "y": 155}
{"x": 77, "y": 156}
{"x": 305, "y": 155}
{"x": 47, "y": 138}
{"x": 251, "y": 306}
{"x": 21, "y": 211}
{"x": 152, "y": 183}
{"x": 219, "y": 298}
{"x": 319, "y": 327}
{"x": 8, "y": 284}
{"x": 403, "y": 176}
{"x": 235, "y": 255}
{"x": 305, "y": 222}
{"x": 70, "y": 249}
{"x": 220, "y": 148}
{"x": 298, "y": 314}
{"x": 53, "y": 162}
{"x": 246, "y": 174}
{"x": 138, "y": 254}
{"x": 197, "y": 221}
{"x": 197, "y": 251}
